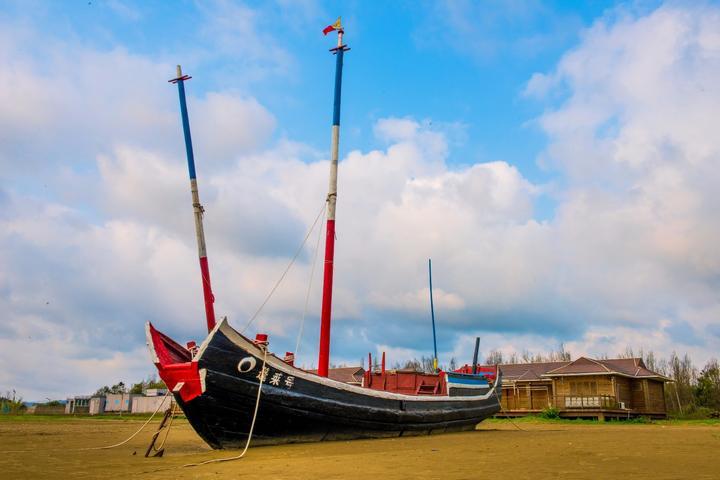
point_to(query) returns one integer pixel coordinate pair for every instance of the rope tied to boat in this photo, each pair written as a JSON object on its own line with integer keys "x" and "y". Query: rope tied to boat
{"x": 159, "y": 450}
{"x": 160, "y": 404}
{"x": 509, "y": 418}
{"x": 105, "y": 447}
{"x": 252, "y": 424}
{"x": 310, "y": 283}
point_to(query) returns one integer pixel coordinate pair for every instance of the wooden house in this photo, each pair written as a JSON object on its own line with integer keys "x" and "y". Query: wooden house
{"x": 614, "y": 388}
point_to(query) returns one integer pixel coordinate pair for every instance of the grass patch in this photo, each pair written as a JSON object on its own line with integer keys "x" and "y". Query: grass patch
{"x": 550, "y": 413}
{"x": 30, "y": 418}
{"x": 537, "y": 419}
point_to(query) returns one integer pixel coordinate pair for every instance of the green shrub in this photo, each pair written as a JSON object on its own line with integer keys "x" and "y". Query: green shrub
{"x": 550, "y": 413}
{"x": 12, "y": 407}
{"x": 693, "y": 412}
{"x": 641, "y": 419}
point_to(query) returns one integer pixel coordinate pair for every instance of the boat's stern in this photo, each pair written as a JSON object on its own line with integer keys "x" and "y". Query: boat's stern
{"x": 176, "y": 365}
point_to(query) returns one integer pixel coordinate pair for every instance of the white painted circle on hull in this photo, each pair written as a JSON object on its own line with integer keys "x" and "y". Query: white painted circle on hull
{"x": 246, "y": 364}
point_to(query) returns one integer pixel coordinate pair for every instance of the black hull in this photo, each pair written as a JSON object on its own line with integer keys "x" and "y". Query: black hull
{"x": 296, "y": 406}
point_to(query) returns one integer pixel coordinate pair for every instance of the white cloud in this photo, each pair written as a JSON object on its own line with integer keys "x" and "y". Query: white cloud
{"x": 416, "y": 301}
{"x": 123, "y": 10}
{"x": 630, "y": 255}
{"x": 635, "y": 137}
{"x": 226, "y": 125}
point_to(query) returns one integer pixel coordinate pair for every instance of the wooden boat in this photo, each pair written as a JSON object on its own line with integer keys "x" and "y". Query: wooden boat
{"x": 218, "y": 387}
{"x": 231, "y": 387}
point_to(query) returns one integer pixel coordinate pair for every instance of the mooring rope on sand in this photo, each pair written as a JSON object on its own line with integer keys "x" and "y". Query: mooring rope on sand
{"x": 159, "y": 449}
{"x": 250, "y": 433}
{"x": 510, "y": 419}
{"x": 160, "y": 404}
{"x": 252, "y": 424}
{"x": 105, "y": 447}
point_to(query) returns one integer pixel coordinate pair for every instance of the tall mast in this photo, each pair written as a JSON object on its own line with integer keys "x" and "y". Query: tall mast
{"x": 325, "y": 316}
{"x": 197, "y": 207}
{"x": 432, "y": 316}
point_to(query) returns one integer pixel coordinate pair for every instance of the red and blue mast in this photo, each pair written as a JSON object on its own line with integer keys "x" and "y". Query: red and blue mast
{"x": 326, "y": 312}
{"x": 197, "y": 206}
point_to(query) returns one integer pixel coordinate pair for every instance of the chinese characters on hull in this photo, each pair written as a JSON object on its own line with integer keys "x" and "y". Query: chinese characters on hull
{"x": 277, "y": 379}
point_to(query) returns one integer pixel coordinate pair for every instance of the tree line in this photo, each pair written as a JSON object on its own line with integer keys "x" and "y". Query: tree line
{"x": 693, "y": 390}
{"x": 140, "y": 387}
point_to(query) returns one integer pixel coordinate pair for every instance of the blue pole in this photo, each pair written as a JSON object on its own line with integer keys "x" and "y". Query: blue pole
{"x": 186, "y": 126}
{"x": 338, "y": 85}
{"x": 432, "y": 315}
{"x": 198, "y": 210}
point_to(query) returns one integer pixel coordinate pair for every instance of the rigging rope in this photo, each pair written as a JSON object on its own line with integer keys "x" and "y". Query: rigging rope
{"x": 252, "y": 424}
{"x": 287, "y": 269}
{"x": 312, "y": 274}
{"x": 510, "y": 419}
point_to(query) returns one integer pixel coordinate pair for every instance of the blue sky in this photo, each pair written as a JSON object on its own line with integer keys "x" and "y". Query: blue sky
{"x": 402, "y": 56}
{"x": 540, "y": 152}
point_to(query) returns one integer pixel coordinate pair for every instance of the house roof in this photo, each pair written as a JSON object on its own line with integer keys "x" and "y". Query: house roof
{"x": 582, "y": 365}
{"x": 627, "y": 367}
{"x": 528, "y": 371}
{"x": 345, "y": 374}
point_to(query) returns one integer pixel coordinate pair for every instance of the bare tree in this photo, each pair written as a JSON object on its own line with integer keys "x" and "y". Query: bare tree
{"x": 526, "y": 357}
{"x": 413, "y": 364}
{"x": 562, "y": 354}
{"x": 684, "y": 373}
{"x": 428, "y": 364}
{"x": 495, "y": 357}
{"x": 628, "y": 353}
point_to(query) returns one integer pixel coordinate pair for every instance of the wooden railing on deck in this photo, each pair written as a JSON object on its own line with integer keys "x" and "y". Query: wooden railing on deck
{"x": 585, "y": 402}
{"x": 521, "y": 401}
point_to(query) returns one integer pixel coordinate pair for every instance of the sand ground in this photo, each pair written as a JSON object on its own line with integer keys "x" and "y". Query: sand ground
{"x": 42, "y": 449}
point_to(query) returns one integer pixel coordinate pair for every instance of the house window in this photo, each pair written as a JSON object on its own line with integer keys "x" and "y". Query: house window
{"x": 583, "y": 388}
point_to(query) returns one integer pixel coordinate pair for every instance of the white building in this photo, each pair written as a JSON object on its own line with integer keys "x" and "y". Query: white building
{"x": 78, "y": 404}
{"x": 151, "y": 404}
{"x": 97, "y": 406}
{"x": 119, "y": 402}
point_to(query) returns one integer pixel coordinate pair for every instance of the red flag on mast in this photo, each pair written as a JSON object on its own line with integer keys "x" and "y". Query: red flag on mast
{"x": 335, "y": 26}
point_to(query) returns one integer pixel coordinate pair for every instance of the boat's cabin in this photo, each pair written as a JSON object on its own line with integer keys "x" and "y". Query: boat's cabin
{"x": 408, "y": 382}
{"x": 461, "y": 382}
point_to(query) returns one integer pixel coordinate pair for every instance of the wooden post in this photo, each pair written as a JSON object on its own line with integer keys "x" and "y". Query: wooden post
{"x": 530, "y": 402}
{"x": 475, "y": 354}
{"x": 432, "y": 316}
